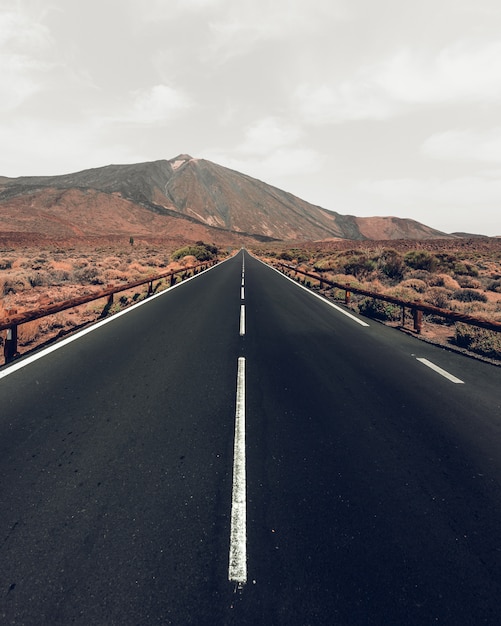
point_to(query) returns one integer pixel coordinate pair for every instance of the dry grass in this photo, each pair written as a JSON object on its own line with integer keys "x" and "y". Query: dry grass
{"x": 459, "y": 275}
{"x": 32, "y": 278}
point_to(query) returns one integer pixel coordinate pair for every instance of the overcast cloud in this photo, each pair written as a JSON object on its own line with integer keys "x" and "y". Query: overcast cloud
{"x": 364, "y": 107}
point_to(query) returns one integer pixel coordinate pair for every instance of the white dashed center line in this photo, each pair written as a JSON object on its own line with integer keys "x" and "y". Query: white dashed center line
{"x": 441, "y": 371}
{"x": 237, "y": 570}
{"x": 242, "y": 320}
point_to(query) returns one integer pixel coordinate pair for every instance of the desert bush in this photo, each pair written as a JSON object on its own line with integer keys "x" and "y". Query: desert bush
{"x": 88, "y": 275}
{"x": 480, "y": 340}
{"x": 5, "y": 264}
{"x": 468, "y": 282}
{"x": 438, "y": 296}
{"x": 446, "y": 261}
{"x": 421, "y": 260}
{"x": 465, "y": 269}
{"x": 421, "y": 275}
{"x": 201, "y": 251}
{"x": 325, "y": 264}
{"x": 38, "y": 279}
{"x": 13, "y": 285}
{"x": 359, "y": 266}
{"x": 404, "y": 293}
{"x": 391, "y": 264}
{"x": 416, "y": 284}
{"x": 494, "y": 285}
{"x": 59, "y": 276}
{"x": 469, "y": 295}
{"x": 379, "y": 309}
{"x": 443, "y": 280}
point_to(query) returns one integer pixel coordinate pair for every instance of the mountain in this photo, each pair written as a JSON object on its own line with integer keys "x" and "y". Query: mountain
{"x": 180, "y": 197}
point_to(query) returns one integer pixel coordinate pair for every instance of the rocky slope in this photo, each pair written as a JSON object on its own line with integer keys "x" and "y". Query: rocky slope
{"x": 183, "y": 196}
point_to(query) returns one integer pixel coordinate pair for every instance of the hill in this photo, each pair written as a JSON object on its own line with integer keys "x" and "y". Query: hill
{"x": 180, "y": 197}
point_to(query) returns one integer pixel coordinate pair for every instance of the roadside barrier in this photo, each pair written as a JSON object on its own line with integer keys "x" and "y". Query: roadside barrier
{"x": 417, "y": 308}
{"x": 14, "y": 320}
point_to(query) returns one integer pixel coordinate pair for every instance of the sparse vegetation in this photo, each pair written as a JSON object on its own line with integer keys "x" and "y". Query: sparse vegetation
{"x": 460, "y": 275}
{"x": 201, "y": 251}
{"x": 32, "y": 278}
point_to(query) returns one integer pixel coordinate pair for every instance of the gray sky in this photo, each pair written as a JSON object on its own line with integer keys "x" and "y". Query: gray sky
{"x": 366, "y": 107}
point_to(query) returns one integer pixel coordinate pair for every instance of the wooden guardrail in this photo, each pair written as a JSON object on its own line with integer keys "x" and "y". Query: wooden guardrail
{"x": 14, "y": 320}
{"x": 417, "y": 308}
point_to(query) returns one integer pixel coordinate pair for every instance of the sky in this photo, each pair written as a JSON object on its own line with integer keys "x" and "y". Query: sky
{"x": 364, "y": 107}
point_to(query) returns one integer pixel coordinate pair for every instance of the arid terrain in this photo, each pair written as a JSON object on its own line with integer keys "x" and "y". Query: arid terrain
{"x": 181, "y": 197}
{"x": 76, "y": 234}
{"x": 34, "y": 277}
{"x": 460, "y": 275}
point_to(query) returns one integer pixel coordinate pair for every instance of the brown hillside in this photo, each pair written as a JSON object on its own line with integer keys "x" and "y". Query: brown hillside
{"x": 187, "y": 197}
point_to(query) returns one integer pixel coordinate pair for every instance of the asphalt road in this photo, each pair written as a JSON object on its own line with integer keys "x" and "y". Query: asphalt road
{"x": 371, "y": 485}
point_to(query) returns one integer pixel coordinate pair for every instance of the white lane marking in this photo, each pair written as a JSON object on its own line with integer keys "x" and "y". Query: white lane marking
{"x": 242, "y": 293}
{"x": 242, "y": 320}
{"x": 45, "y": 351}
{"x": 237, "y": 569}
{"x": 334, "y": 306}
{"x": 243, "y": 282}
{"x": 441, "y": 371}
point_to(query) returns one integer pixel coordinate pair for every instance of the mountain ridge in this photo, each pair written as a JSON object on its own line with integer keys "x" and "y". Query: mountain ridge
{"x": 205, "y": 197}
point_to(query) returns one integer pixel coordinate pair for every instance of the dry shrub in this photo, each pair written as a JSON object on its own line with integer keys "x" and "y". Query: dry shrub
{"x": 16, "y": 283}
{"x": 479, "y": 340}
{"x": 111, "y": 261}
{"x": 137, "y": 268}
{"x": 189, "y": 259}
{"x": 416, "y": 284}
{"x": 469, "y": 295}
{"x": 444, "y": 280}
{"x": 29, "y": 332}
{"x": 420, "y": 275}
{"x": 467, "y": 282}
{"x": 404, "y": 293}
{"x": 115, "y": 275}
{"x": 61, "y": 266}
{"x": 438, "y": 296}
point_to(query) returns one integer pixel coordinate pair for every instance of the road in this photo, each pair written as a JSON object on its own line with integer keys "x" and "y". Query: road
{"x": 237, "y": 451}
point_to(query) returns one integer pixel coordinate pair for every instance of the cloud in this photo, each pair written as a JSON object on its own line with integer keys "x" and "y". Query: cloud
{"x": 155, "y": 105}
{"x": 462, "y": 191}
{"x": 268, "y": 134}
{"x": 243, "y": 25}
{"x": 23, "y": 45}
{"x": 269, "y": 151}
{"x": 456, "y": 204}
{"x": 351, "y": 100}
{"x": 274, "y": 168}
{"x": 462, "y": 73}
{"x": 159, "y": 10}
{"x": 35, "y": 148}
{"x": 465, "y": 145}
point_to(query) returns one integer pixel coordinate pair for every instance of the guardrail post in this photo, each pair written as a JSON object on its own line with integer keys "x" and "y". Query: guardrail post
{"x": 347, "y": 296}
{"x": 417, "y": 315}
{"x": 150, "y": 289}
{"x": 10, "y": 346}
{"x": 172, "y": 280}
{"x": 403, "y": 317}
